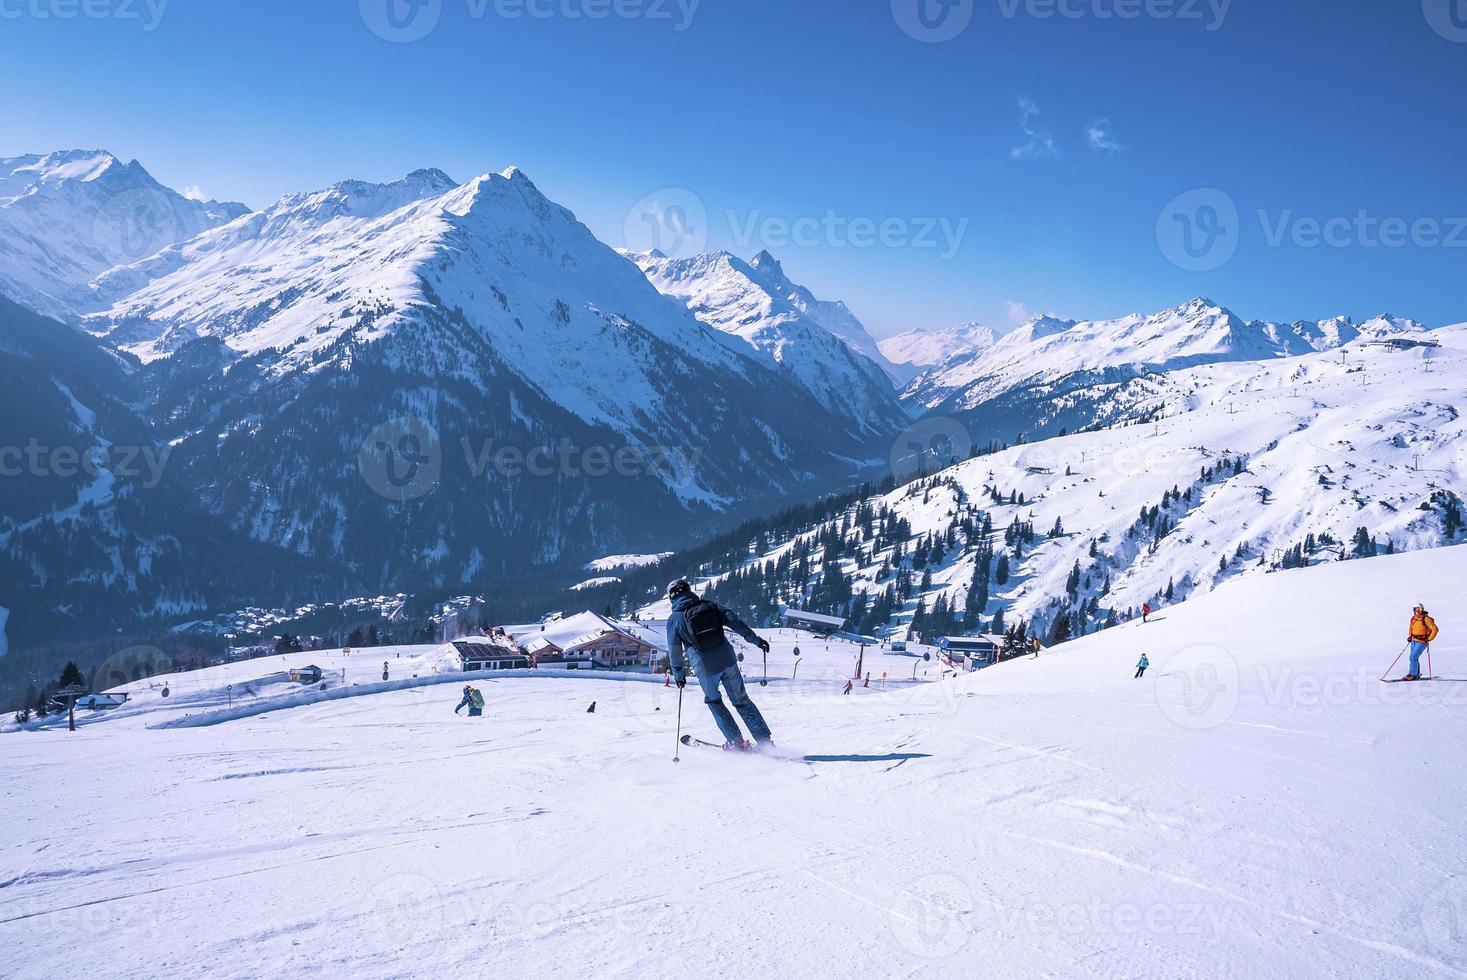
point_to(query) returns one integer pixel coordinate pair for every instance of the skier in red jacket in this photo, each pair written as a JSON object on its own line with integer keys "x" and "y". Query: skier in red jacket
{"x": 1145, "y": 612}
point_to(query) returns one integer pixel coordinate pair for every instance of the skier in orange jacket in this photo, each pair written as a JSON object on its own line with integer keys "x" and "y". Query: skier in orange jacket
{"x": 1423, "y": 631}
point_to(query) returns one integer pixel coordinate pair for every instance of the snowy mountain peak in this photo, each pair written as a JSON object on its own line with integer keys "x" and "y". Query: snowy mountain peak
{"x": 916, "y": 350}
{"x": 1387, "y": 323}
{"x": 767, "y": 263}
{"x": 821, "y": 346}
{"x": 69, "y": 216}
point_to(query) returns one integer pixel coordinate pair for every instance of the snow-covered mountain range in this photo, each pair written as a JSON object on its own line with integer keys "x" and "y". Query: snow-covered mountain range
{"x": 914, "y": 351}
{"x": 1051, "y": 373}
{"x": 1197, "y": 476}
{"x": 820, "y": 346}
{"x": 266, "y": 351}
{"x": 70, "y": 216}
{"x": 270, "y": 362}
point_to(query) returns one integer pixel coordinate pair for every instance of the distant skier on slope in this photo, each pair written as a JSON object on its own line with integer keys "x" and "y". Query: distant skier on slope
{"x": 1145, "y": 612}
{"x": 695, "y": 629}
{"x": 1141, "y": 665}
{"x": 474, "y": 700}
{"x": 1423, "y": 631}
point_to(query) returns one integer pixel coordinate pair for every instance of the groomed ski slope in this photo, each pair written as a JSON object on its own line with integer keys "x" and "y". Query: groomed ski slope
{"x": 1258, "y": 805}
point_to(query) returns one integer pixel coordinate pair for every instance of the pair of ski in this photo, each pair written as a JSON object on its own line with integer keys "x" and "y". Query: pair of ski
{"x": 690, "y": 741}
{"x": 1404, "y": 680}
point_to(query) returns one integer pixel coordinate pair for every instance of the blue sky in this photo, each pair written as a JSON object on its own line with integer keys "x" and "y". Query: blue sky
{"x": 1054, "y": 155}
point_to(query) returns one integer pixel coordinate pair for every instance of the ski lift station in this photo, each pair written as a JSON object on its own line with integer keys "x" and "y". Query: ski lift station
{"x": 100, "y": 702}
{"x": 970, "y": 652}
{"x": 812, "y": 622}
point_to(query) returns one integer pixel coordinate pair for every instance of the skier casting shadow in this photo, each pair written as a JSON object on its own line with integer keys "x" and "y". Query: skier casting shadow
{"x": 695, "y": 630}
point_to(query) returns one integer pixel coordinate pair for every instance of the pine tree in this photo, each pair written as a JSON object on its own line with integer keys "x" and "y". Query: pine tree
{"x": 71, "y": 675}
{"x": 1001, "y": 574}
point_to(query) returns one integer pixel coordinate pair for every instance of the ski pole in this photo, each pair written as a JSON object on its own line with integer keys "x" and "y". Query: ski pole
{"x": 1429, "y": 672}
{"x": 1396, "y": 661}
{"x": 765, "y": 681}
{"x": 679, "y": 746}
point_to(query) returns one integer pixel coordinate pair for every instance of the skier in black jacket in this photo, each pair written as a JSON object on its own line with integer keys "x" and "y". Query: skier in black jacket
{"x": 695, "y": 630}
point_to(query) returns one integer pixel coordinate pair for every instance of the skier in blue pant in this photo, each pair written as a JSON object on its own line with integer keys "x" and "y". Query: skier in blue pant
{"x": 695, "y": 630}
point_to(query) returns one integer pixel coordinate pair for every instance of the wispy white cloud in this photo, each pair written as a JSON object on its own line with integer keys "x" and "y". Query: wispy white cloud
{"x": 1102, "y": 137}
{"x": 1018, "y": 312}
{"x": 1039, "y": 144}
{"x": 195, "y": 193}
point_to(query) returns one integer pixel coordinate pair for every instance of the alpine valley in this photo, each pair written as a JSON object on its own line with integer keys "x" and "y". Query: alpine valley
{"x": 442, "y": 389}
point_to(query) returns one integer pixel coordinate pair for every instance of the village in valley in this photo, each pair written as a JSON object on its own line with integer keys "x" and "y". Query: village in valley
{"x": 809, "y": 649}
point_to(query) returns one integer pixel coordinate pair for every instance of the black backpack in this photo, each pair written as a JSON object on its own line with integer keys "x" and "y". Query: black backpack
{"x": 705, "y": 621}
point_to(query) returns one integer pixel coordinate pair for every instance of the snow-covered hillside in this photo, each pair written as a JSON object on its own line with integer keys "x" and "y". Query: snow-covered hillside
{"x": 819, "y": 346}
{"x": 916, "y": 350}
{"x": 1012, "y": 380}
{"x": 613, "y": 563}
{"x": 69, "y": 216}
{"x": 1201, "y": 475}
{"x": 1257, "y": 804}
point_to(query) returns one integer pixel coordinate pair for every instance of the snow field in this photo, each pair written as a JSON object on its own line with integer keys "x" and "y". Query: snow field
{"x": 1245, "y": 809}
